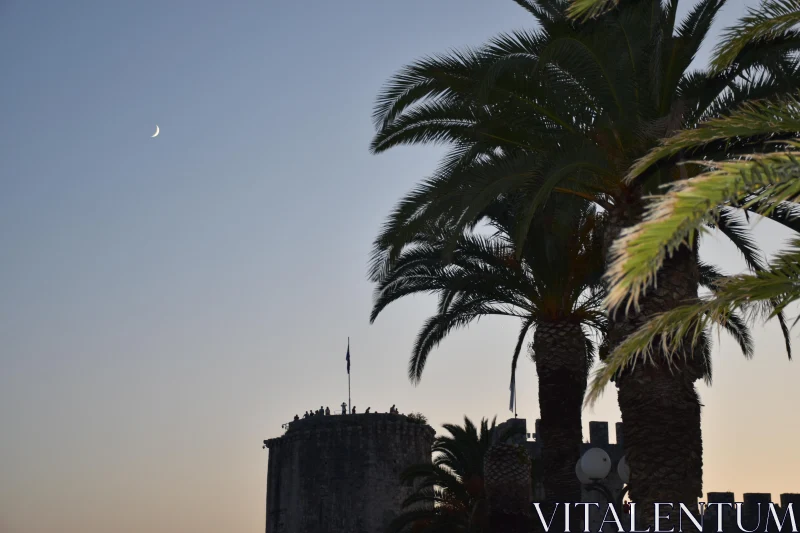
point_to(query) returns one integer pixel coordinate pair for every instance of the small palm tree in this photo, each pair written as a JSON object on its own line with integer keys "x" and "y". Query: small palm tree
{"x": 450, "y": 494}
{"x": 553, "y": 286}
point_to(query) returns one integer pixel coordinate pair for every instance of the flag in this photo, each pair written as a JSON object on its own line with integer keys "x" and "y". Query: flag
{"x": 348, "y": 356}
{"x": 513, "y": 389}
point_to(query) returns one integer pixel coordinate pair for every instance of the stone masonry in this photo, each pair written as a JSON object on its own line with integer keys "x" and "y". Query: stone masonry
{"x": 341, "y": 474}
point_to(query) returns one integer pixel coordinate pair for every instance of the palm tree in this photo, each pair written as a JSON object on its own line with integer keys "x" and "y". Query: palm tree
{"x": 450, "y": 495}
{"x": 567, "y": 110}
{"x": 554, "y": 288}
{"x": 765, "y": 183}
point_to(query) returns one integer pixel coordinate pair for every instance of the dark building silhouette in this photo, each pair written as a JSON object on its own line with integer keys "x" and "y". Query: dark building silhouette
{"x": 341, "y": 474}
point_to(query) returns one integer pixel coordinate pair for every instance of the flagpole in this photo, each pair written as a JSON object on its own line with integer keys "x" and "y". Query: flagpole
{"x": 349, "y": 409}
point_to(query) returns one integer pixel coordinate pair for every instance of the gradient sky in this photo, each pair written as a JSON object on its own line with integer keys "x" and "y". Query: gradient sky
{"x": 168, "y": 303}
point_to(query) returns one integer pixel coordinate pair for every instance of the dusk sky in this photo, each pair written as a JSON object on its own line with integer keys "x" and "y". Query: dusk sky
{"x": 167, "y": 303}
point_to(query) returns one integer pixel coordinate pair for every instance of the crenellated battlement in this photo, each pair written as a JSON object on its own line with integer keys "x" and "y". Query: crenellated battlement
{"x": 752, "y": 499}
{"x": 598, "y": 437}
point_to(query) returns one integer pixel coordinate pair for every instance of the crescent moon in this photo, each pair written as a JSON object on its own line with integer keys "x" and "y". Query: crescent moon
{"x": 156, "y": 133}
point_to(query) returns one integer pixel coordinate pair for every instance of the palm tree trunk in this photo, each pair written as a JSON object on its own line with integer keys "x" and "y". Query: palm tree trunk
{"x": 509, "y": 490}
{"x": 559, "y": 351}
{"x": 660, "y": 406}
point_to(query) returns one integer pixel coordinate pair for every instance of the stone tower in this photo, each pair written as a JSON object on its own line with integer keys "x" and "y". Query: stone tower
{"x": 341, "y": 474}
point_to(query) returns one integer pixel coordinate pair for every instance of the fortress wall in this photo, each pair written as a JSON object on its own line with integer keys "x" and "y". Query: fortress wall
{"x": 341, "y": 473}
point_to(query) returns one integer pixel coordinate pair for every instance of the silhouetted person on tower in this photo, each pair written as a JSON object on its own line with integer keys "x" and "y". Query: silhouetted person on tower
{"x": 353, "y": 411}
{"x": 344, "y": 408}
{"x": 296, "y": 418}
{"x": 393, "y": 410}
{"x": 367, "y": 411}
{"x": 328, "y": 411}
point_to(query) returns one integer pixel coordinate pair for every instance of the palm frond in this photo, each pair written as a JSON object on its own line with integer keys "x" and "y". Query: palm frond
{"x": 771, "y": 19}
{"x": 766, "y": 180}
{"x": 730, "y": 223}
{"x": 786, "y": 214}
{"x": 527, "y": 325}
{"x": 752, "y": 119}
{"x": 710, "y": 276}
{"x": 586, "y": 9}
{"x": 766, "y": 293}
{"x": 439, "y": 326}
{"x": 449, "y": 76}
